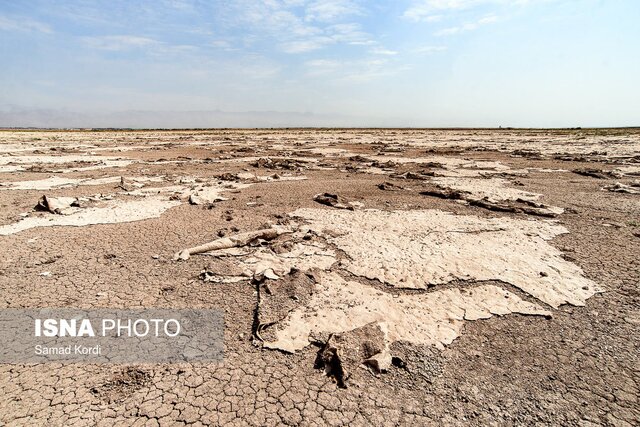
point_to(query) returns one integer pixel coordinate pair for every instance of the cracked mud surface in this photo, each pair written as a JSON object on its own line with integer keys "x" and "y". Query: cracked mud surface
{"x": 578, "y": 367}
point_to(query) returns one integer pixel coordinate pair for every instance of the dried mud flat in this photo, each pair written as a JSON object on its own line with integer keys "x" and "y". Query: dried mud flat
{"x": 368, "y": 277}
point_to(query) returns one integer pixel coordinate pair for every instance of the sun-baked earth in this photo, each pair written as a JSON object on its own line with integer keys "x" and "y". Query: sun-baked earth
{"x": 367, "y": 277}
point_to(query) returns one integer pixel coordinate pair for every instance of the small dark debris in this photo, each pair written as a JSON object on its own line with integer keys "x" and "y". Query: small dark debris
{"x": 389, "y": 186}
{"x": 595, "y": 173}
{"x": 332, "y": 200}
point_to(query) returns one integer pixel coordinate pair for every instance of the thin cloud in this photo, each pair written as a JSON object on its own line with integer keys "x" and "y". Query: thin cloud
{"x": 471, "y": 26}
{"x": 383, "y": 51}
{"x": 321, "y": 67}
{"x": 294, "y": 30}
{"x": 223, "y": 45}
{"x": 120, "y": 42}
{"x": 331, "y": 10}
{"x": 429, "y": 49}
{"x": 433, "y": 18}
{"x": 435, "y": 10}
{"x": 124, "y": 43}
{"x": 23, "y": 24}
{"x": 427, "y": 10}
{"x": 355, "y": 71}
{"x": 306, "y": 45}
{"x": 350, "y": 34}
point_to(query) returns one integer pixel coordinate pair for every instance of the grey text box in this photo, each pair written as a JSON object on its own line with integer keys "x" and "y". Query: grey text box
{"x": 110, "y": 335}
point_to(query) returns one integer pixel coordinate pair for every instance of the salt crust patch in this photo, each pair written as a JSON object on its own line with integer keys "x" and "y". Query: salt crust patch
{"x": 629, "y": 170}
{"x": 32, "y": 160}
{"x": 19, "y": 163}
{"x": 330, "y": 151}
{"x": 495, "y": 189}
{"x": 60, "y": 182}
{"x": 156, "y": 201}
{"x": 270, "y": 178}
{"x": 114, "y": 212}
{"x": 435, "y": 318}
{"x": 414, "y": 249}
{"x": 301, "y": 257}
{"x": 103, "y": 165}
{"x": 451, "y": 166}
{"x": 448, "y": 167}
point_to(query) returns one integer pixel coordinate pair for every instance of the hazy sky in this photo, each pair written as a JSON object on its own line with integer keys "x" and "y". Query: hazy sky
{"x": 304, "y": 62}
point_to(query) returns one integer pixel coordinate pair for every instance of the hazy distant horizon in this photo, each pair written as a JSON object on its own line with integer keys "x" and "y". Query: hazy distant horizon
{"x": 56, "y": 119}
{"x": 320, "y": 63}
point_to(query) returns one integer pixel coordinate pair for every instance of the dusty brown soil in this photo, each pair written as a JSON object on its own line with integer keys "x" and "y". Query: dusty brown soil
{"x": 580, "y": 367}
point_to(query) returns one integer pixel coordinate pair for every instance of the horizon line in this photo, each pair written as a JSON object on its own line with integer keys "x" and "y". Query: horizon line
{"x": 136, "y": 129}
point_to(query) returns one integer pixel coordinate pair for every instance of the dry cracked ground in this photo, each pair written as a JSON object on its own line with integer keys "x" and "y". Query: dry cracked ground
{"x": 367, "y": 277}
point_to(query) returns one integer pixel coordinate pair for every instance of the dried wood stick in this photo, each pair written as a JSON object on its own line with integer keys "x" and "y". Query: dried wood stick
{"x": 238, "y": 240}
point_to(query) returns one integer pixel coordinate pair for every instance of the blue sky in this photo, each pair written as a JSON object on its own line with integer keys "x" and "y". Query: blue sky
{"x": 548, "y": 63}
